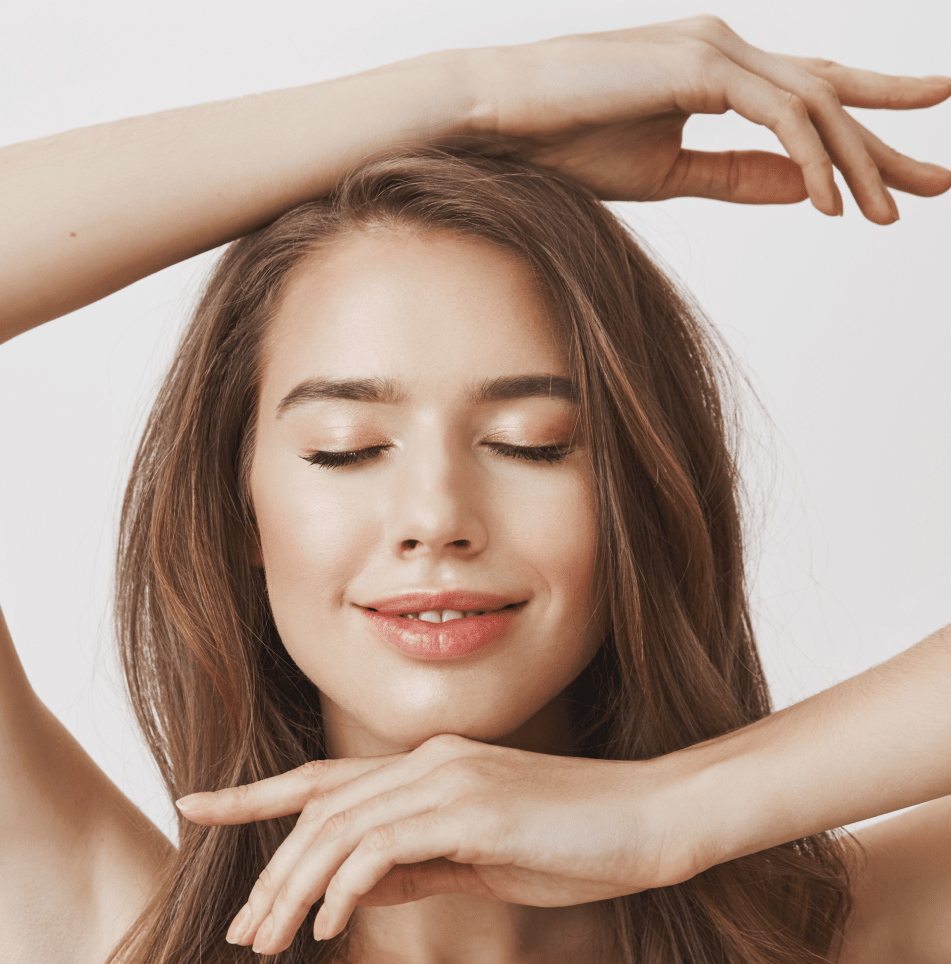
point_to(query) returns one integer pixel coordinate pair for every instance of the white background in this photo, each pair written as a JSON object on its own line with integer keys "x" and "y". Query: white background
{"x": 843, "y": 326}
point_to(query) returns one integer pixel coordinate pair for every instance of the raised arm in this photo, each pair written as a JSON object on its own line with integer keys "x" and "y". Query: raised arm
{"x": 87, "y": 212}
{"x": 90, "y": 211}
{"x": 78, "y": 860}
{"x": 876, "y": 743}
{"x": 873, "y": 744}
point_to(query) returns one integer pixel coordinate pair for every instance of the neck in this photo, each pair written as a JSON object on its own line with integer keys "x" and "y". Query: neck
{"x": 464, "y": 928}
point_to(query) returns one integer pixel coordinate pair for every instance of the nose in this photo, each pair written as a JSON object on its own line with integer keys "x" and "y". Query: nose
{"x": 436, "y": 509}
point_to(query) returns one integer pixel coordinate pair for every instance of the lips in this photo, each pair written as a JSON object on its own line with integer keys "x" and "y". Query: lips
{"x": 443, "y": 640}
{"x": 426, "y": 601}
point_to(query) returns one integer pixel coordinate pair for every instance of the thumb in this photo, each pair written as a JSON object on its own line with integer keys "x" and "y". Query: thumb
{"x": 741, "y": 177}
{"x": 408, "y": 882}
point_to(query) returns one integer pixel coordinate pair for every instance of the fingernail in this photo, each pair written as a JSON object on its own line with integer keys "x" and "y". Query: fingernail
{"x": 196, "y": 801}
{"x": 894, "y": 207}
{"x": 839, "y": 206}
{"x": 320, "y": 923}
{"x": 263, "y": 935}
{"x": 239, "y": 926}
{"x": 937, "y": 79}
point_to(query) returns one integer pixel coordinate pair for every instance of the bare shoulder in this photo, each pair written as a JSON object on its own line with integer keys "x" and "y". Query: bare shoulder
{"x": 78, "y": 860}
{"x": 902, "y": 889}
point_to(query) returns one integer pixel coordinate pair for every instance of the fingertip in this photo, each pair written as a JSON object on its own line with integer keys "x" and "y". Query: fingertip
{"x": 263, "y": 935}
{"x": 322, "y": 923}
{"x": 194, "y": 802}
{"x": 893, "y": 205}
{"x": 829, "y": 206}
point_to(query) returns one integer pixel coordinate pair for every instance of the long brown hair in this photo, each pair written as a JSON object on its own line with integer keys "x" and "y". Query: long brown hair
{"x": 221, "y": 703}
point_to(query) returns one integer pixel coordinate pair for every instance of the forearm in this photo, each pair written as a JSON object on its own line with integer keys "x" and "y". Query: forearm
{"x": 873, "y": 744}
{"x": 88, "y": 212}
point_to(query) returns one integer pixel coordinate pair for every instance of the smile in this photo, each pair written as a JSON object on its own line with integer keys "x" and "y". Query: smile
{"x": 443, "y": 634}
{"x": 445, "y": 615}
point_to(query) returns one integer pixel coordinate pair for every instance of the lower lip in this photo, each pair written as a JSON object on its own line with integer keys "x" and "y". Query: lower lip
{"x": 449, "y": 640}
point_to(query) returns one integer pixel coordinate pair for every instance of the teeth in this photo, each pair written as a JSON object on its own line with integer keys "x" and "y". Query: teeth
{"x": 443, "y": 615}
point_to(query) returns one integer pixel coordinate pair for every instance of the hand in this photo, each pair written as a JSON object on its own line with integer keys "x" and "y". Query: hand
{"x": 453, "y": 816}
{"x": 609, "y": 109}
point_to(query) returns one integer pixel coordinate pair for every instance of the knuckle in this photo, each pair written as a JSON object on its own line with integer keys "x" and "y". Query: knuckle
{"x": 714, "y": 26}
{"x": 381, "y": 838}
{"x": 336, "y": 825}
{"x": 822, "y": 65}
{"x": 312, "y": 813}
{"x": 312, "y": 772}
{"x": 825, "y": 95}
{"x": 707, "y": 27}
{"x": 443, "y": 745}
{"x": 796, "y": 108}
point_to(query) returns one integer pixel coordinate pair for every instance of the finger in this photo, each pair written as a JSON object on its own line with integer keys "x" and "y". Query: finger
{"x": 405, "y": 883}
{"x": 367, "y": 796}
{"x": 368, "y": 791}
{"x": 413, "y": 840}
{"x": 866, "y": 88}
{"x": 295, "y": 885}
{"x": 838, "y": 131}
{"x": 280, "y": 795}
{"x": 786, "y": 115}
{"x": 271, "y": 880}
{"x": 295, "y": 847}
{"x": 742, "y": 177}
{"x": 904, "y": 173}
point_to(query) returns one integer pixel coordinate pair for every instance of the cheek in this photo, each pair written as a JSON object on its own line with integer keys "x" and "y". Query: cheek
{"x": 311, "y": 547}
{"x": 556, "y": 529}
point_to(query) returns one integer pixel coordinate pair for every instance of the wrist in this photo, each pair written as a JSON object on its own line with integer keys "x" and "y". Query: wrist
{"x": 690, "y": 801}
{"x": 741, "y": 803}
{"x": 436, "y": 96}
{"x": 674, "y": 824}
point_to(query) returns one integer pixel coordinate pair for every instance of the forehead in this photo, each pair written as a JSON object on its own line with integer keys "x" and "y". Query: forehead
{"x": 400, "y": 304}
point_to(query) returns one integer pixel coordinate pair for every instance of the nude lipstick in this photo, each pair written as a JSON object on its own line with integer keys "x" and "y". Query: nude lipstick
{"x": 467, "y": 621}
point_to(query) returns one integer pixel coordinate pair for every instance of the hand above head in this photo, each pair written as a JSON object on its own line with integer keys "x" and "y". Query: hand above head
{"x": 90, "y": 211}
{"x": 609, "y": 109}
{"x": 453, "y": 816}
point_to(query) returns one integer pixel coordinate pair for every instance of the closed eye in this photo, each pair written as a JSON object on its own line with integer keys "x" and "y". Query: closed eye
{"x": 337, "y": 460}
{"x": 537, "y": 453}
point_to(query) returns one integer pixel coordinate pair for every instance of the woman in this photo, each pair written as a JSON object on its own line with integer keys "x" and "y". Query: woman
{"x": 196, "y": 697}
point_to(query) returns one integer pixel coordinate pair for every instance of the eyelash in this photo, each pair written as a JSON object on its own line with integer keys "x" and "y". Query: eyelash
{"x": 551, "y": 454}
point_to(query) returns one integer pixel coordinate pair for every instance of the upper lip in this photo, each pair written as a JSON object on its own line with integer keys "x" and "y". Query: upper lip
{"x": 425, "y": 600}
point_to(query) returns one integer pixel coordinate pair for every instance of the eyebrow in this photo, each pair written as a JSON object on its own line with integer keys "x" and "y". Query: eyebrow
{"x": 384, "y": 391}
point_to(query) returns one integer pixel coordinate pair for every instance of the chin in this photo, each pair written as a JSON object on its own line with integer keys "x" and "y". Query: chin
{"x": 394, "y": 730}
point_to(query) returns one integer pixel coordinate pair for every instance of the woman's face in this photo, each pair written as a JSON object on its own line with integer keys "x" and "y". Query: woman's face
{"x": 432, "y": 358}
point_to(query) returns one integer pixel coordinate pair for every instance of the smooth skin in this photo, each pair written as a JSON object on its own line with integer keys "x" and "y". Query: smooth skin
{"x": 88, "y": 212}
